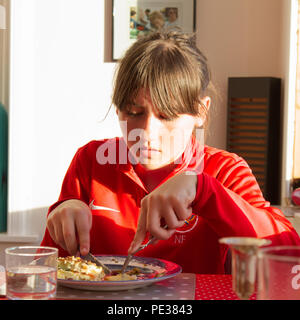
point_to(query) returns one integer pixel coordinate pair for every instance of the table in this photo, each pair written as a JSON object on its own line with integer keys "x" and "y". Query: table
{"x": 185, "y": 286}
{"x": 215, "y": 287}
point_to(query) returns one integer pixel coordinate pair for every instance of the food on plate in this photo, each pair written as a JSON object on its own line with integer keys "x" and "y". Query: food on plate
{"x": 120, "y": 277}
{"x": 128, "y": 275}
{"x": 76, "y": 268}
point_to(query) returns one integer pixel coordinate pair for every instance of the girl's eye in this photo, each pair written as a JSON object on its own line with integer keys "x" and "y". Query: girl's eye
{"x": 164, "y": 118}
{"x": 134, "y": 114}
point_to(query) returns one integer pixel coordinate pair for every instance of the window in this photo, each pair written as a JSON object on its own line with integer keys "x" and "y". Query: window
{"x": 296, "y": 155}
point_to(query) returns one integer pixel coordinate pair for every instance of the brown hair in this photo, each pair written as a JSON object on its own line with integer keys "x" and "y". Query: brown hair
{"x": 171, "y": 67}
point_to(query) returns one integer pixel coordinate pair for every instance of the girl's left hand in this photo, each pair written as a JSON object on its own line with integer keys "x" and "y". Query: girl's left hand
{"x": 170, "y": 202}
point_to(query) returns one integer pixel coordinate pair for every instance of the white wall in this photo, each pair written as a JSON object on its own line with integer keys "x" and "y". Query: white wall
{"x": 60, "y": 91}
{"x": 2, "y": 16}
{"x": 240, "y": 38}
{"x": 250, "y": 38}
{"x": 60, "y": 85}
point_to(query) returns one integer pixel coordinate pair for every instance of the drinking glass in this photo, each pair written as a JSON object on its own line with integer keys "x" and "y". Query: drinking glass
{"x": 31, "y": 272}
{"x": 244, "y": 263}
{"x": 279, "y": 273}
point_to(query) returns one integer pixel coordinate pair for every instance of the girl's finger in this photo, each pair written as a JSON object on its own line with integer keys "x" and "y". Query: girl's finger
{"x": 156, "y": 212}
{"x": 182, "y": 213}
{"x": 69, "y": 235}
{"x": 169, "y": 214}
{"x": 141, "y": 230}
{"x": 59, "y": 236}
{"x": 83, "y": 225}
{"x": 51, "y": 230}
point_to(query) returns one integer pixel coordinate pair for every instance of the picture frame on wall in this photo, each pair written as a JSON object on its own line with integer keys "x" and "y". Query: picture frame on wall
{"x": 135, "y": 18}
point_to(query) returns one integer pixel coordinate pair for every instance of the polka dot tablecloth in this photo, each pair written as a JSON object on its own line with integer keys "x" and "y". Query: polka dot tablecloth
{"x": 215, "y": 287}
{"x": 185, "y": 286}
{"x": 181, "y": 287}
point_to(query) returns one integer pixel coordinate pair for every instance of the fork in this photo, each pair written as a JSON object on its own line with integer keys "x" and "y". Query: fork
{"x": 130, "y": 256}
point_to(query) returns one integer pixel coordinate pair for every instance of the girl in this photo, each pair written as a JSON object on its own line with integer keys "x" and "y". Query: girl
{"x": 118, "y": 191}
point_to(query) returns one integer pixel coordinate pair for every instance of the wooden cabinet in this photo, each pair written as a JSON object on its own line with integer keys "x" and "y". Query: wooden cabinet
{"x": 254, "y": 129}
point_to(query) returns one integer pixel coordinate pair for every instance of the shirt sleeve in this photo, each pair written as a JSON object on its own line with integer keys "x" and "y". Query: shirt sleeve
{"x": 233, "y": 205}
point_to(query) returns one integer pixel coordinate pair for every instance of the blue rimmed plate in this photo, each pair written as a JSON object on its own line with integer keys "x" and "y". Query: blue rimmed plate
{"x": 152, "y": 270}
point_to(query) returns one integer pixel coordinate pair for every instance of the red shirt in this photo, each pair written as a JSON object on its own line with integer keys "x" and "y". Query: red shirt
{"x": 228, "y": 203}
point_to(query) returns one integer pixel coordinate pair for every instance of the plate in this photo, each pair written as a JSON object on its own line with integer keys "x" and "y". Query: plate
{"x": 153, "y": 270}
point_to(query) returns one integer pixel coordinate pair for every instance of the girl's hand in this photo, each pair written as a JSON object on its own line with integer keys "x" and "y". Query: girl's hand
{"x": 169, "y": 204}
{"x": 68, "y": 220}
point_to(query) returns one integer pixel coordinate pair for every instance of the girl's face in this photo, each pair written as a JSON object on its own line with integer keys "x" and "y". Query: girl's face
{"x": 152, "y": 139}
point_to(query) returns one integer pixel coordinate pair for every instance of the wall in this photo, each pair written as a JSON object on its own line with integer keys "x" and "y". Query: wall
{"x": 240, "y": 38}
{"x": 250, "y": 38}
{"x": 289, "y": 46}
{"x": 61, "y": 86}
{"x": 4, "y": 51}
{"x": 60, "y": 92}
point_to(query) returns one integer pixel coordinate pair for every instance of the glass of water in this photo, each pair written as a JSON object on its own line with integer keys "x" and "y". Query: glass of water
{"x": 244, "y": 263}
{"x": 31, "y": 272}
{"x": 279, "y": 273}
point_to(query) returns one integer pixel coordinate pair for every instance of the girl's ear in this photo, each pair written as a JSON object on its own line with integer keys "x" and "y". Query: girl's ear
{"x": 206, "y": 101}
{"x": 204, "y": 106}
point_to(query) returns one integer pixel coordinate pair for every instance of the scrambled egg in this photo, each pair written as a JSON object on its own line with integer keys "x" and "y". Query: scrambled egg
{"x": 76, "y": 268}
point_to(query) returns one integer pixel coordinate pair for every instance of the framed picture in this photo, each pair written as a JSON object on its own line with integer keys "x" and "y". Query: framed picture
{"x": 135, "y": 18}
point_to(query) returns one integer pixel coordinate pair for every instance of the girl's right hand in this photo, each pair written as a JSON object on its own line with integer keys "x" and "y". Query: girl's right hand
{"x": 69, "y": 220}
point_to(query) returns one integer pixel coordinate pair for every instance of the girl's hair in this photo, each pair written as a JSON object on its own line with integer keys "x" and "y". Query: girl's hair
{"x": 171, "y": 67}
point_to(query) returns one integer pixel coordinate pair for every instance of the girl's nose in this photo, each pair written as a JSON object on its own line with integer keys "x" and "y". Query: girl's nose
{"x": 152, "y": 126}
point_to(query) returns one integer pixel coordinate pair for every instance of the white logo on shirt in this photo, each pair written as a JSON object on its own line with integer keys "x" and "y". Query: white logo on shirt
{"x": 179, "y": 238}
{"x": 191, "y": 226}
{"x": 94, "y": 207}
{"x": 180, "y": 235}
